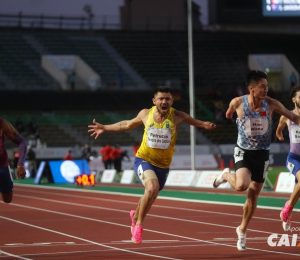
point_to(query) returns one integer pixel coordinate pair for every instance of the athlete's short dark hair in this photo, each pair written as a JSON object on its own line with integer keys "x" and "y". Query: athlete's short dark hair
{"x": 163, "y": 90}
{"x": 255, "y": 75}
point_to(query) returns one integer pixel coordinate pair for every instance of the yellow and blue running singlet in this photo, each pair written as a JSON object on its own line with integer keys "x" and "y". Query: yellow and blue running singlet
{"x": 159, "y": 140}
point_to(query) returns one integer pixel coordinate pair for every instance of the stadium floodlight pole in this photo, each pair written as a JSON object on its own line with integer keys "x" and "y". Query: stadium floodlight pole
{"x": 191, "y": 80}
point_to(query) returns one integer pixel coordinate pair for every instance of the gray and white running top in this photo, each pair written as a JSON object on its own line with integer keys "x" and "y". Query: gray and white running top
{"x": 294, "y": 134}
{"x": 254, "y": 128}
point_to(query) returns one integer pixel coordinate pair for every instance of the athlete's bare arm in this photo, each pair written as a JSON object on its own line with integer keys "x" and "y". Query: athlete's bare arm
{"x": 280, "y": 127}
{"x": 233, "y": 107}
{"x": 96, "y": 129}
{"x": 279, "y": 108}
{"x": 181, "y": 116}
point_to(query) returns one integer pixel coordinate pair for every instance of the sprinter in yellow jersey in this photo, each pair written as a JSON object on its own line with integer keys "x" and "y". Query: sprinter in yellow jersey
{"x": 155, "y": 153}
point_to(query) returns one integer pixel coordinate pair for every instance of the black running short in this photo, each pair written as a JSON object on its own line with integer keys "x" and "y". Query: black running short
{"x": 257, "y": 161}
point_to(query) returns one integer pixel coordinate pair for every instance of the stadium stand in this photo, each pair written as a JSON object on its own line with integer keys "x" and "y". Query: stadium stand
{"x": 20, "y": 64}
{"x": 152, "y": 54}
{"x": 90, "y": 49}
{"x": 160, "y": 58}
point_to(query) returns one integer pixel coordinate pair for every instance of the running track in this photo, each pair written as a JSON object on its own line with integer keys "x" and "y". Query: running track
{"x": 52, "y": 223}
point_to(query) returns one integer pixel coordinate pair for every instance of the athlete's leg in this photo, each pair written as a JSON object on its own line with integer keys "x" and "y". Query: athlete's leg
{"x": 151, "y": 191}
{"x": 150, "y": 194}
{"x": 7, "y": 197}
{"x": 6, "y": 184}
{"x": 248, "y": 211}
{"x": 296, "y": 192}
{"x": 286, "y": 212}
{"x": 250, "y": 204}
{"x": 240, "y": 180}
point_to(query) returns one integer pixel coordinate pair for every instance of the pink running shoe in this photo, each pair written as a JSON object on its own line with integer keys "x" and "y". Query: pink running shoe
{"x": 131, "y": 214}
{"x": 137, "y": 234}
{"x": 285, "y": 216}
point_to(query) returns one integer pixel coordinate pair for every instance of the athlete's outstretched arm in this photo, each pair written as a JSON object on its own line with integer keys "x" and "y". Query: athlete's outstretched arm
{"x": 280, "y": 127}
{"x": 233, "y": 105}
{"x": 11, "y": 133}
{"x": 282, "y": 110}
{"x": 96, "y": 129}
{"x": 186, "y": 118}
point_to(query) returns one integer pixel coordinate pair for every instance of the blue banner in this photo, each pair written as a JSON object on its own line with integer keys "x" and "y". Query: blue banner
{"x": 66, "y": 171}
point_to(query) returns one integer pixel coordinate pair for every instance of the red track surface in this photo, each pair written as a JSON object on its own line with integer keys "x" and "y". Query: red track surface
{"x": 63, "y": 224}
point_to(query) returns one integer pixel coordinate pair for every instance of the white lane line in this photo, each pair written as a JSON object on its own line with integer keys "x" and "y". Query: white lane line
{"x": 149, "y": 241}
{"x": 79, "y": 238}
{"x": 160, "y": 196}
{"x": 126, "y": 226}
{"x": 163, "y": 206}
{"x": 252, "y": 239}
{"x": 148, "y": 215}
{"x": 13, "y": 255}
{"x": 110, "y": 250}
{"x": 40, "y": 244}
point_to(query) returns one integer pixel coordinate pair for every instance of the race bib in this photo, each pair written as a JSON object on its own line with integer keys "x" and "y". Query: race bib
{"x": 159, "y": 138}
{"x": 238, "y": 154}
{"x": 256, "y": 126}
{"x": 295, "y": 134}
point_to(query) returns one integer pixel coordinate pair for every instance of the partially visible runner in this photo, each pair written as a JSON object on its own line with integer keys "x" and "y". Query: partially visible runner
{"x": 155, "y": 153}
{"x": 6, "y": 180}
{"x": 293, "y": 158}
{"x": 251, "y": 154}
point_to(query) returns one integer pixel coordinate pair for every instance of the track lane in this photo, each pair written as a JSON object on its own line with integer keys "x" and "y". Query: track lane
{"x": 104, "y": 218}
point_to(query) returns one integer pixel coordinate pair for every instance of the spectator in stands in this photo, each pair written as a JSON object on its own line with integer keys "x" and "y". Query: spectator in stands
{"x": 6, "y": 182}
{"x": 251, "y": 154}
{"x": 86, "y": 152}
{"x": 96, "y": 166}
{"x": 124, "y": 154}
{"x": 155, "y": 153}
{"x": 68, "y": 155}
{"x": 293, "y": 158}
{"x": 105, "y": 152}
{"x": 16, "y": 157}
{"x": 115, "y": 156}
{"x": 31, "y": 158}
{"x": 90, "y": 14}
{"x": 32, "y": 128}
